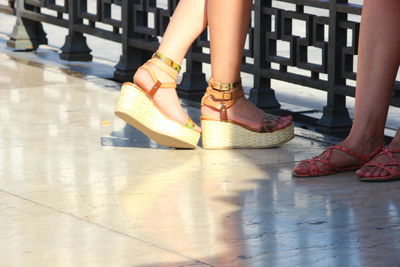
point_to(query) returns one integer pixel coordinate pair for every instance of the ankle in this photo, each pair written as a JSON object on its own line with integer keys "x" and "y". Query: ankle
{"x": 363, "y": 144}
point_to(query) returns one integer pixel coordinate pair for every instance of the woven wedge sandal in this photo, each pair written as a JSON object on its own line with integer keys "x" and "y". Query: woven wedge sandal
{"x": 224, "y": 133}
{"x": 136, "y": 107}
{"x": 324, "y": 159}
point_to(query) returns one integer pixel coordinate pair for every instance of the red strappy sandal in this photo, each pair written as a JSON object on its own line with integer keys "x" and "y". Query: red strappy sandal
{"x": 313, "y": 170}
{"x": 387, "y": 166}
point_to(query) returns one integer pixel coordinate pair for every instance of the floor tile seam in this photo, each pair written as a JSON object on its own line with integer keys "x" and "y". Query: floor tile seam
{"x": 102, "y": 226}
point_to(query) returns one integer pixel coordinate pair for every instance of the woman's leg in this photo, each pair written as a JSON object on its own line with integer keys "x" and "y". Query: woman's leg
{"x": 228, "y": 24}
{"x": 378, "y": 62}
{"x": 187, "y": 23}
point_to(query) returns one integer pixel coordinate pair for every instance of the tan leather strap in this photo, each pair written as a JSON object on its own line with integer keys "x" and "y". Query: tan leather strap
{"x": 223, "y": 86}
{"x": 165, "y": 65}
{"x": 222, "y": 96}
{"x": 225, "y": 95}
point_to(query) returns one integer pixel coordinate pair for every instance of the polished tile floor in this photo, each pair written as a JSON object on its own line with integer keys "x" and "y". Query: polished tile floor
{"x": 80, "y": 188}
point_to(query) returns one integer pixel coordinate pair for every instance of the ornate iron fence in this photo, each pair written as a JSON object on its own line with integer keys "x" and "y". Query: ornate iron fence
{"x": 327, "y": 23}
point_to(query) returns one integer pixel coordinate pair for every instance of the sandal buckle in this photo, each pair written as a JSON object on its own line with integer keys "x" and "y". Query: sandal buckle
{"x": 226, "y": 96}
{"x": 225, "y": 86}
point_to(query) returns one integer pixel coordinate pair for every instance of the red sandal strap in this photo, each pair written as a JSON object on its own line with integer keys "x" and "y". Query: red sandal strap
{"x": 362, "y": 158}
{"x": 384, "y": 165}
{"x": 313, "y": 165}
{"x": 327, "y": 153}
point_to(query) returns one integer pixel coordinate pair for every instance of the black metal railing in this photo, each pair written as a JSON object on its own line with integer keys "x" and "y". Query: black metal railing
{"x": 329, "y": 28}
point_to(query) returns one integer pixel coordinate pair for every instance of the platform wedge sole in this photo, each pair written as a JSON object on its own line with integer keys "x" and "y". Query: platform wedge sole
{"x": 227, "y": 135}
{"x": 137, "y": 109}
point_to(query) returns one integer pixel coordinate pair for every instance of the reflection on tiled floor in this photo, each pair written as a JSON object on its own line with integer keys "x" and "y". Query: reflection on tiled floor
{"x": 80, "y": 188}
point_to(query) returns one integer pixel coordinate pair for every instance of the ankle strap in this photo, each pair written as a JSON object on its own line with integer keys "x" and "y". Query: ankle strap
{"x": 167, "y": 61}
{"x": 221, "y": 96}
{"x": 164, "y": 64}
{"x": 223, "y": 86}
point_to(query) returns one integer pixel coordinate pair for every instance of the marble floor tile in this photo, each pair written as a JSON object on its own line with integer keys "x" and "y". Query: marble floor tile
{"x": 32, "y": 234}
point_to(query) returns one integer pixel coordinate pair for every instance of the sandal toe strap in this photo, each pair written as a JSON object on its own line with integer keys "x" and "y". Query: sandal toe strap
{"x": 386, "y": 165}
{"x": 190, "y": 124}
{"x": 269, "y": 123}
{"x": 313, "y": 170}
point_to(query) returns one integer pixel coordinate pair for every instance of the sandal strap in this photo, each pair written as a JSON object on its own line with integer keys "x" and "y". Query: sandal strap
{"x": 190, "y": 123}
{"x": 330, "y": 168}
{"x": 362, "y": 158}
{"x": 383, "y": 165}
{"x": 269, "y": 123}
{"x": 167, "y": 66}
{"x": 225, "y": 95}
{"x": 328, "y": 153}
{"x": 168, "y": 61}
{"x": 313, "y": 165}
{"x": 221, "y": 96}
{"x": 224, "y": 86}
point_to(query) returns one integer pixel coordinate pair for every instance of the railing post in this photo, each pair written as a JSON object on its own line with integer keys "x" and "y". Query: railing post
{"x": 335, "y": 119}
{"x": 194, "y": 82}
{"x": 132, "y": 58}
{"x": 262, "y": 94}
{"x": 75, "y": 47}
{"x": 27, "y": 34}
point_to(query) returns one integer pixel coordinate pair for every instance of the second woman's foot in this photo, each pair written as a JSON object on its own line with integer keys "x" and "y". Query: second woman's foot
{"x": 349, "y": 154}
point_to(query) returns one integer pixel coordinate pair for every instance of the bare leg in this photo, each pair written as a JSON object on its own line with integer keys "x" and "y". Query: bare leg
{"x": 187, "y": 23}
{"x": 228, "y": 23}
{"x": 378, "y": 62}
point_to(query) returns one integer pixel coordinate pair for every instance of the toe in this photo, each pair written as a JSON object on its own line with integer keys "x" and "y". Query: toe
{"x": 197, "y": 128}
{"x": 361, "y": 172}
{"x": 377, "y": 172}
{"x": 384, "y": 173}
{"x": 303, "y": 168}
{"x": 368, "y": 173}
{"x": 371, "y": 172}
{"x": 284, "y": 122}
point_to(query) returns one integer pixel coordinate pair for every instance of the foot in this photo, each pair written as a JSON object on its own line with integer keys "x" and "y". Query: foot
{"x": 166, "y": 99}
{"x": 245, "y": 112}
{"x": 368, "y": 171}
{"x": 340, "y": 159}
